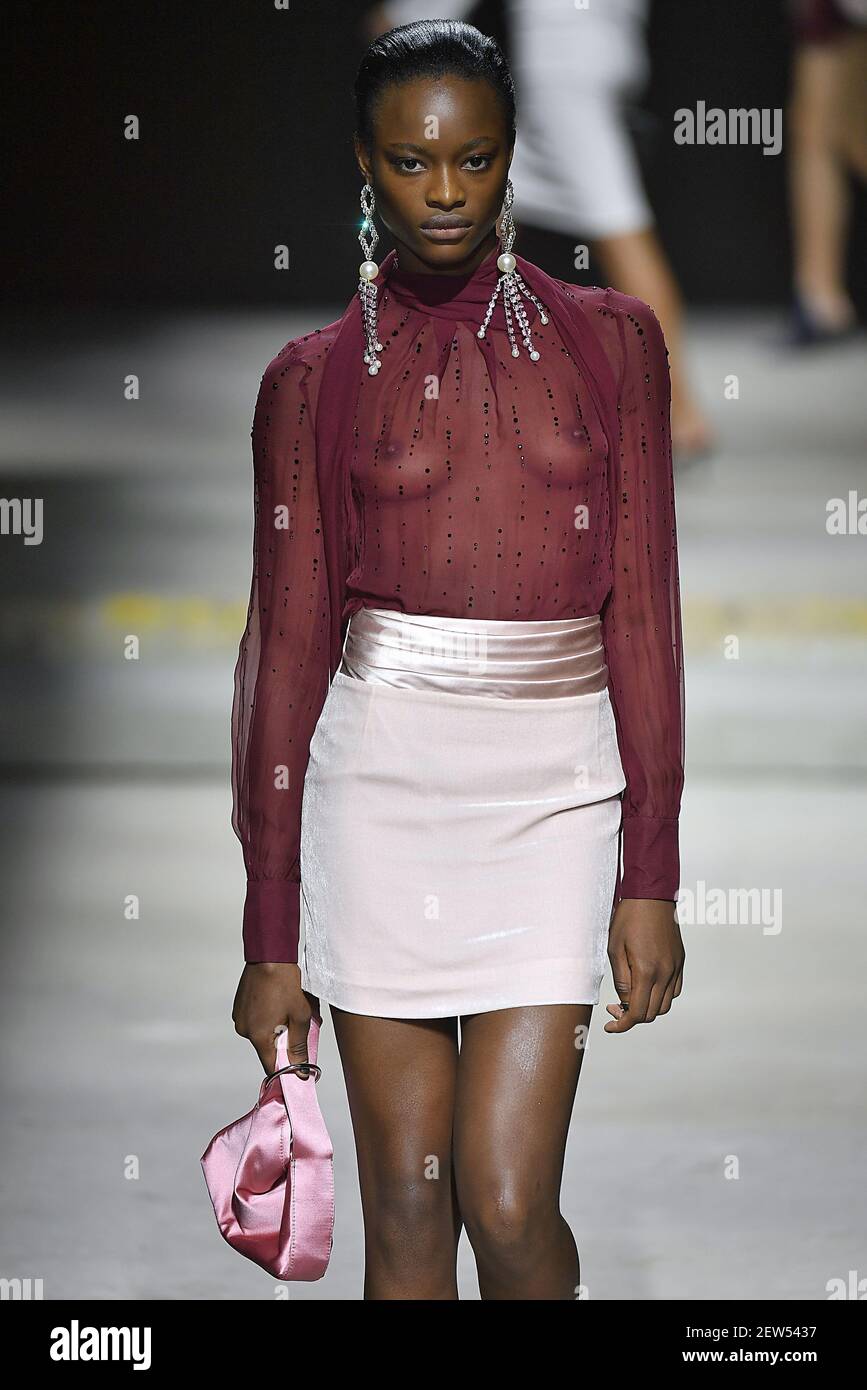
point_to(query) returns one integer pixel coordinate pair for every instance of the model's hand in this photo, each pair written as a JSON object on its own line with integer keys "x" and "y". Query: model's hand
{"x": 647, "y": 956}
{"x": 268, "y": 994}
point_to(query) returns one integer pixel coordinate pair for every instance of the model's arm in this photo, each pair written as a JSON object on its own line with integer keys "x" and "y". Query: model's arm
{"x": 641, "y": 620}
{"x": 281, "y": 677}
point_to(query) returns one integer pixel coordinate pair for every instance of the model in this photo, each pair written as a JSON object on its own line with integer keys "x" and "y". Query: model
{"x": 460, "y": 688}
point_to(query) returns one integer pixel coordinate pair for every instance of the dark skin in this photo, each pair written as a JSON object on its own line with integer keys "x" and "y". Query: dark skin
{"x": 442, "y": 1137}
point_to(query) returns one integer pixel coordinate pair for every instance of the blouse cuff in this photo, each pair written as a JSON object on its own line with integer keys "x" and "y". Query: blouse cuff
{"x": 272, "y": 920}
{"x": 651, "y": 858}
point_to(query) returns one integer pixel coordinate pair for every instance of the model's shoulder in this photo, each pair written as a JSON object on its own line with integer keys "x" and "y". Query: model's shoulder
{"x": 585, "y": 295}
{"x": 304, "y": 355}
{"x": 607, "y": 299}
{"x": 631, "y": 310}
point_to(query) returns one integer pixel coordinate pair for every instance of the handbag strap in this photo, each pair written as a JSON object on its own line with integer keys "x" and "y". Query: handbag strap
{"x": 311, "y": 1175}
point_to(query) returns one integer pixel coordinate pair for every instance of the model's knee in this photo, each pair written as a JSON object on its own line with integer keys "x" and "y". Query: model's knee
{"x": 507, "y": 1223}
{"x": 404, "y": 1217}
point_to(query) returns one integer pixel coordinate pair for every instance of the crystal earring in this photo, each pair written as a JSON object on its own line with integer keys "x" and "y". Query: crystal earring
{"x": 368, "y": 271}
{"x": 512, "y": 286}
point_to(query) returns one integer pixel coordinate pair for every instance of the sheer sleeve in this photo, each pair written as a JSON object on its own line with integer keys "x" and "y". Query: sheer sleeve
{"x": 641, "y": 617}
{"x": 281, "y": 676}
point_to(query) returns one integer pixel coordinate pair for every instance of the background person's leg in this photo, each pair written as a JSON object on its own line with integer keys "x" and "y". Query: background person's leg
{"x": 635, "y": 263}
{"x": 818, "y": 181}
{"x": 575, "y": 171}
{"x": 854, "y": 101}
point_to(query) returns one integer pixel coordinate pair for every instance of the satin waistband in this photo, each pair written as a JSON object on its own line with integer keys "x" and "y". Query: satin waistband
{"x": 476, "y": 656}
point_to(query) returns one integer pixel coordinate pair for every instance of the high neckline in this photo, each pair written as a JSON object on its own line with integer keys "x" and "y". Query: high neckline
{"x": 460, "y": 298}
{"x": 436, "y": 289}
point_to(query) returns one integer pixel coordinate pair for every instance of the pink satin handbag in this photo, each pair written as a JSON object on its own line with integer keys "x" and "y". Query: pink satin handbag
{"x": 271, "y": 1173}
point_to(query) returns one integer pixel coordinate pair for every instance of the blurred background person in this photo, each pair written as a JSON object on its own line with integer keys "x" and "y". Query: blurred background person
{"x": 575, "y": 168}
{"x": 828, "y": 144}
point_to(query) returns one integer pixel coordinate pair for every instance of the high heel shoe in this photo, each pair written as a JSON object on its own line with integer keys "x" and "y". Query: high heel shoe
{"x": 808, "y": 329}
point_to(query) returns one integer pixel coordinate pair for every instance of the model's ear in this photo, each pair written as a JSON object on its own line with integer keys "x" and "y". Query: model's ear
{"x": 362, "y": 154}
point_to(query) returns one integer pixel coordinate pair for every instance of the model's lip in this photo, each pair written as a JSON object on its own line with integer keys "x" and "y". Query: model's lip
{"x": 453, "y": 233}
{"x": 448, "y": 222}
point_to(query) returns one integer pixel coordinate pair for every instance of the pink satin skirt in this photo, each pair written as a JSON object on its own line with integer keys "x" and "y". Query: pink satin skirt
{"x": 460, "y": 817}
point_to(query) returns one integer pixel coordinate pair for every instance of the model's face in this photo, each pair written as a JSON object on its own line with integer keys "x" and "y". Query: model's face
{"x": 438, "y": 165}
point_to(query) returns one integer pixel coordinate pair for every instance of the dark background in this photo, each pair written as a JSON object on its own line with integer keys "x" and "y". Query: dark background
{"x": 246, "y": 141}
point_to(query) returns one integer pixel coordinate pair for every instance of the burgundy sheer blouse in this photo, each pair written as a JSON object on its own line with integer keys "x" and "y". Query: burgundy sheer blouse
{"x": 474, "y": 497}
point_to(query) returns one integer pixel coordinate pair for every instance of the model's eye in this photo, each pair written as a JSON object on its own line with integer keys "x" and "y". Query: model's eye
{"x": 477, "y": 163}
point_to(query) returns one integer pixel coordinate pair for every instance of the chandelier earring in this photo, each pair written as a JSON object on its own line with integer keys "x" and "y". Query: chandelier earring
{"x": 512, "y": 286}
{"x": 367, "y": 291}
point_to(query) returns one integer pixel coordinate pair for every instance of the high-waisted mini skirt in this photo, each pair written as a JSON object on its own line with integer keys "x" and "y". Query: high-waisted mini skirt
{"x": 460, "y": 817}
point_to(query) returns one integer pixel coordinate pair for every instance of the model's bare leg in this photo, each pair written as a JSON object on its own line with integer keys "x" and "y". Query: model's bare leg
{"x": 517, "y": 1075}
{"x": 822, "y": 136}
{"x": 635, "y": 263}
{"x": 400, "y": 1082}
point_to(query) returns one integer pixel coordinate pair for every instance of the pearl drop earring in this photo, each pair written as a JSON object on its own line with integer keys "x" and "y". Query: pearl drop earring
{"x": 512, "y": 286}
{"x": 368, "y": 271}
